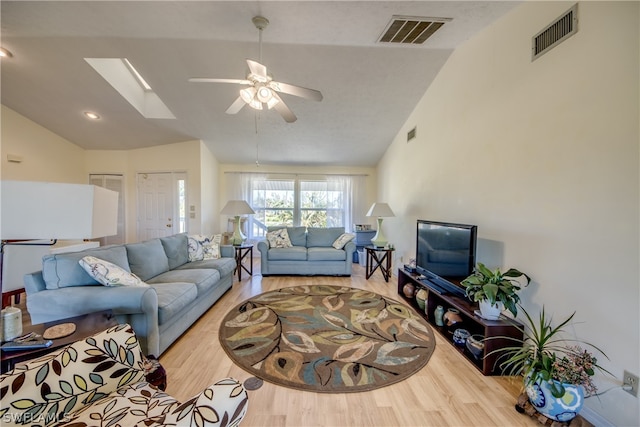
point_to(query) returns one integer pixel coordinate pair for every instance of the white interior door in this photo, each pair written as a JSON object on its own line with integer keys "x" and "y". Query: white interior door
{"x": 156, "y": 205}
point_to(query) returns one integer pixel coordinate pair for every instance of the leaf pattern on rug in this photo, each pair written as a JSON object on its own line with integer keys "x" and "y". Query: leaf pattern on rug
{"x": 327, "y": 338}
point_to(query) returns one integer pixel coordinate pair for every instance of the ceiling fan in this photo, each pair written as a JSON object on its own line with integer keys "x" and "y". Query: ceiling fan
{"x": 261, "y": 89}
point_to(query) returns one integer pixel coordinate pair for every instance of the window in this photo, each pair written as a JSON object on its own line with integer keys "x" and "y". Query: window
{"x": 296, "y": 202}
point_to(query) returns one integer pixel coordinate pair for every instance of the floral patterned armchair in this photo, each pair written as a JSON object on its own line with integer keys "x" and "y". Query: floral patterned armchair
{"x": 101, "y": 381}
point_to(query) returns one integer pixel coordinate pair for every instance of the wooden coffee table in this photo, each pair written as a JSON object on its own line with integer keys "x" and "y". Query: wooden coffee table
{"x": 86, "y": 325}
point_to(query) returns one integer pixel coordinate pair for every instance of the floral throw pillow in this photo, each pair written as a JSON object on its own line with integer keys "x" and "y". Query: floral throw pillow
{"x": 343, "y": 240}
{"x": 203, "y": 247}
{"x": 109, "y": 274}
{"x": 279, "y": 238}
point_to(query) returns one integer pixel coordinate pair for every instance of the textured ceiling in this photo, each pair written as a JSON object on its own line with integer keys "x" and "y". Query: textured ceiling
{"x": 369, "y": 88}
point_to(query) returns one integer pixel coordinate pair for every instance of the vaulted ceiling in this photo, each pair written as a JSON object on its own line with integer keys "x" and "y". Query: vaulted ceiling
{"x": 369, "y": 88}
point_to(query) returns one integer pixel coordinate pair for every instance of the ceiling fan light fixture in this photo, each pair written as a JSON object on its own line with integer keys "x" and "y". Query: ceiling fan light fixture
{"x": 248, "y": 94}
{"x": 255, "y": 104}
{"x": 264, "y": 94}
{"x": 272, "y": 102}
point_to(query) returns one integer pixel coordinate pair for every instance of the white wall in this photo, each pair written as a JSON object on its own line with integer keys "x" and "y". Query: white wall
{"x": 210, "y": 204}
{"x": 544, "y": 157}
{"x": 45, "y": 155}
{"x": 178, "y": 157}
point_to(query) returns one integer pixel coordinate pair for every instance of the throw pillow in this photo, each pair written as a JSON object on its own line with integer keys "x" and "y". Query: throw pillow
{"x": 211, "y": 249}
{"x": 343, "y": 240}
{"x": 279, "y": 239}
{"x": 109, "y": 274}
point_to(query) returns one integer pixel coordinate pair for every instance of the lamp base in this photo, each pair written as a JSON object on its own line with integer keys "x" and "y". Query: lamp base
{"x": 379, "y": 240}
{"x": 237, "y": 238}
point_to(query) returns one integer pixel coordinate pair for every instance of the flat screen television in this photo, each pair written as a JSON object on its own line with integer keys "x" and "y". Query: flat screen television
{"x": 445, "y": 253}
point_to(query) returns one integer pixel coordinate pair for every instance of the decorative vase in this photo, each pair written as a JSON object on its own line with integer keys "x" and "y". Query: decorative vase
{"x": 561, "y": 409}
{"x": 451, "y": 317}
{"x": 408, "y": 290}
{"x": 421, "y": 298}
{"x": 491, "y": 312}
{"x": 437, "y": 315}
{"x": 475, "y": 345}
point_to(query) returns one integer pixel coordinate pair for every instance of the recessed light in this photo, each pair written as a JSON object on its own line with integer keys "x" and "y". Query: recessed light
{"x": 4, "y": 53}
{"x": 91, "y": 115}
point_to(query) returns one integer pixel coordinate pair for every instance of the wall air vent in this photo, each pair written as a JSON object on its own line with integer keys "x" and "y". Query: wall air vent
{"x": 411, "y": 134}
{"x": 555, "y": 33}
{"x": 411, "y": 29}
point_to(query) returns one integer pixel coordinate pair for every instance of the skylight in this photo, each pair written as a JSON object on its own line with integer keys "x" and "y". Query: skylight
{"x": 130, "y": 84}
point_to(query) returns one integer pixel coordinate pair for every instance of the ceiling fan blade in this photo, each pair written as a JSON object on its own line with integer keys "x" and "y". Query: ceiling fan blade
{"x": 236, "y": 106}
{"x": 284, "y": 111}
{"x": 258, "y": 70}
{"x": 294, "y": 90}
{"x": 208, "y": 80}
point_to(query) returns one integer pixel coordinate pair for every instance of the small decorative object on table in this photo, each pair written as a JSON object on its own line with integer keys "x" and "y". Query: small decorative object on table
{"x": 421, "y": 297}
{"x": 451, "y": 318}
{"x": 437, "y": 314}
{"x": 59, "y": 331}
{"x": 475, "y": 345}
{"x": 409, "y": 290}
{"x": 460, "y": 337}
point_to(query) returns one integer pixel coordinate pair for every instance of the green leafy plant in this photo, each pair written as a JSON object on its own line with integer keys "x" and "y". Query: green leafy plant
{"x": 495, "y": 286}
{"x": 543, "y": 354}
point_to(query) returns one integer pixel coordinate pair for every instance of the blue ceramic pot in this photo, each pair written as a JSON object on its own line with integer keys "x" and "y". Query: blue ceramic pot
{"x": 561, "y": 409}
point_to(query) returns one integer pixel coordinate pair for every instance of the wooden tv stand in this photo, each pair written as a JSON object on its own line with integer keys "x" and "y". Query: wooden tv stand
{"x": 503, "y": 327}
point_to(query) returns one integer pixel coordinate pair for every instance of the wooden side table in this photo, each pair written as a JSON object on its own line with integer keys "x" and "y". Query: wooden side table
{"x": 242, "y": 251}
{"x": 378, "y": 258}
{"x": 86, "y": 325}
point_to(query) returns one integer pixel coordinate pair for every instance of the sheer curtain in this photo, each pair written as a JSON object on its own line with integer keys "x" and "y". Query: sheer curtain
{"x": 354, "y": 190}
{"x": 239, "y": 187}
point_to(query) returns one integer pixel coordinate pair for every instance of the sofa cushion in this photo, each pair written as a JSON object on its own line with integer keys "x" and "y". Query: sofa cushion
{"x": 147, "y": 259}
{"x": 323, "y": 237}
{"x": 173, "y": 298}
{"x": 294, "y": 253}
{"x": 109, "y": 274}
{"x": 176, "y": 249}
{"x": 225, "y": 266}
{"x": 297, "y": 235}
{"x": 279, "y": 238}
{"x": 204, "y": 280}
{"x": 326, "y": 254}
{"x": 63, "y": 270}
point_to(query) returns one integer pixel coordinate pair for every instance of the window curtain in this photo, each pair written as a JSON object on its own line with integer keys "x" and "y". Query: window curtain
{"x": 239, "y": 187}
{"x": 354, "y": 190}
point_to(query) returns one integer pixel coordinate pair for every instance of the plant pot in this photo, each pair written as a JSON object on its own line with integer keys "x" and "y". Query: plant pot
{"x": 491, "y": 312}
{"x": 561, "y": 409}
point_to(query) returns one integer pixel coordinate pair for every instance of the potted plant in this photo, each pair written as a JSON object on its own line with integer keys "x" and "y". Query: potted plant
{"x": 556, "y": 372}
{"x": 494, "y": 290}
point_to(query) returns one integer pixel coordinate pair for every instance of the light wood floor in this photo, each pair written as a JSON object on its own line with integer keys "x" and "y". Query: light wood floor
{"x": 448, "y": 391}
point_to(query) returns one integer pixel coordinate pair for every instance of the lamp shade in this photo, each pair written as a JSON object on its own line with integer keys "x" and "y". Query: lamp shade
{"x": 48, "y": 210}
{"x": 380, "y": 209}
{"x": 237, "y": 207}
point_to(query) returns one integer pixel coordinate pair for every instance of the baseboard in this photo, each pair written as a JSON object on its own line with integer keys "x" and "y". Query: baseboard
{"x": 594, "y": 418}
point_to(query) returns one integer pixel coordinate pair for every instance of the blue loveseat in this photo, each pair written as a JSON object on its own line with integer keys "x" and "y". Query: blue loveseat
{"x": 311, "y": 253}
{"x": 179, "y": 291}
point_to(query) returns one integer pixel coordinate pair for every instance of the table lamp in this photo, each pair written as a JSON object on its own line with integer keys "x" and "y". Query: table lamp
{"x": 33, "y": 211}
{"x": 237, "y": 208}
{"x": 380, "y": 210}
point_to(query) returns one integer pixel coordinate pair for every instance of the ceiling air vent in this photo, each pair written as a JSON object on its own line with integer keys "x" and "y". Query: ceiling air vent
{"x": 555, "y": 33}
{"x": 411, "y": 29}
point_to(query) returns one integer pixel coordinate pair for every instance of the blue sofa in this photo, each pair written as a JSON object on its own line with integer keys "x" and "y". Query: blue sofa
{"x": 311, "y": 253}
{"x": 179, "y": 293}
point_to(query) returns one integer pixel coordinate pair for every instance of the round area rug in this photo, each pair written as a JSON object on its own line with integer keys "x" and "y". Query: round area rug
{"x": 327, "y": 338}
